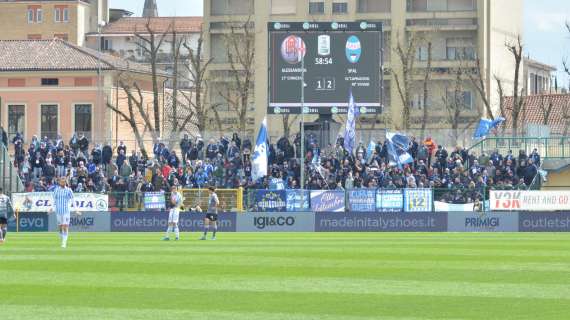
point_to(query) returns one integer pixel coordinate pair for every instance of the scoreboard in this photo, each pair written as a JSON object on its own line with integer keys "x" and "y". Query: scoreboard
{"x": 338, "y": 58}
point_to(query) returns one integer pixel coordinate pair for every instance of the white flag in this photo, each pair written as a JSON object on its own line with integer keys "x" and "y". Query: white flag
{"x": 259, "y": 159}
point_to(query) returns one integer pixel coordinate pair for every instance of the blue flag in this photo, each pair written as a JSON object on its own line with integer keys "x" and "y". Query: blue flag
{"x": 398, "y": 145}
{"x": 350, "y": 128}
{"x": 259, "y": 158}
{"x": 370, "y": 150}
{"x": 485, "y": 126}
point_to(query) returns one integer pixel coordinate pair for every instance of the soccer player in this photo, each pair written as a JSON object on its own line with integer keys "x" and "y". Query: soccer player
{"x": 62, "y": 198}
{"x": 176, "y": 203}
{"x": 4, "y": 207}
{"x": 212, "y": 214}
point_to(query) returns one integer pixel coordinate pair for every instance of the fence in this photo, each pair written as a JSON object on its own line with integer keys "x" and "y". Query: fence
{"x": 548, "y": 148}
{"x": 294, "y": 200}
{"x": 367, "y": 200}
{"x": 10, "y": 180}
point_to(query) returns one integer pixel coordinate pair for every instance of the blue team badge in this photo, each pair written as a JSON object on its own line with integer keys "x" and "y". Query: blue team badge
{"x": 353, "y": 49}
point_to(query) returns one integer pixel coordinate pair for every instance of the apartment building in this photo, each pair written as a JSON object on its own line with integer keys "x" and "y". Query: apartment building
{"x": 68, "y": 20}
{"x": 539, "y": 78}
{"x": 123, "y": 38}
{"x": 460, "y": 31}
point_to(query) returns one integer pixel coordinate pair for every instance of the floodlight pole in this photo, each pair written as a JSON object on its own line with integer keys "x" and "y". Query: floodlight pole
{"x": 302, "y": 184}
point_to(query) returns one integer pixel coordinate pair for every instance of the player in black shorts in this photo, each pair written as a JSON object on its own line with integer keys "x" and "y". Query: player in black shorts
{"x": 4, "y": 207}
{"x": 212, "y": 214}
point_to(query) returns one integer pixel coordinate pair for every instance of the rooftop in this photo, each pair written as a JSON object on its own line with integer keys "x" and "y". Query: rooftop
{"x": 58, "y": 55}
{"x": 132, "y": 25}
{"x": 536, "y": 108}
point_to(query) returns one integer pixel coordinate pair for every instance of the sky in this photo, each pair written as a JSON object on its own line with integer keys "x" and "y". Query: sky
{"x": 545, "y": 37}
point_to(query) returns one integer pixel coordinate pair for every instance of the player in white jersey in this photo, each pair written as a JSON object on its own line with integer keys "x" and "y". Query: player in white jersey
{"x": 4, "y": 207}
{"x": 174, "y": 213}
{"x": 62, "y": 199}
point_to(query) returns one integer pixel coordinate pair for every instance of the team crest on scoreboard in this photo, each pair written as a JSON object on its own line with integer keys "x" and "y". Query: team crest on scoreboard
{"x": 293, "y": 49}
{"x": 353, "y": 49}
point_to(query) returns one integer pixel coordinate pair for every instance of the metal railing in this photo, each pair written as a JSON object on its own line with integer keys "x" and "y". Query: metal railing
{"x": 9, "y": 179}
{"x": 230, "y": 200}
{"x": 548, "y": 148}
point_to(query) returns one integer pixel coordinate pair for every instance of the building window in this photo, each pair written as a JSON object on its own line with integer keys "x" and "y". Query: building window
{"x": 461, "y": 5}
{"x": 231, "y": 7}
{"x": 31, "y": 16}
{"x": 283, "y": 7}
{"x": 49, "y": 120}
{"x": 83, "y": 117}
{"x": 16, "y": 120}
{"x": 465, "y": 98}
{"x": 460, "y": 49}
{"x": 339, "y": 7}
{"x": 106, "y": 44}
{"x": 422, "y": 53}
{"x": 62, "y": 36}
{"x": 441, "y": 5}
{"x": 35, "y": 14}
{"x": 50, "y": 81}
{"x": 61, "y": 14}
{"x": 317, "y": 7}
{"x": 365, "y": 6}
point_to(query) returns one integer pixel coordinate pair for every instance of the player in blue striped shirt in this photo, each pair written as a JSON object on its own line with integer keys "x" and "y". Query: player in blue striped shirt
{"x": 62, "y": 200}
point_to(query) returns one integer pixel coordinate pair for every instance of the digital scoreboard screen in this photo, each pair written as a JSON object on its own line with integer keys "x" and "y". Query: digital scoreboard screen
{"x": 338, "y": 58}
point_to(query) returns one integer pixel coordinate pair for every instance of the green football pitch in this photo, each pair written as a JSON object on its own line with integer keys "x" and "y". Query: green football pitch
{"x": 396, "y": 276}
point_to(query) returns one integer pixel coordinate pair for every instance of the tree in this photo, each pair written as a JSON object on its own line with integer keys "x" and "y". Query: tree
{"x": 477, "y": 79}
{"x": 516, "y": 49}
{"x": 546, "y": 107}
{"x": 427, "y": 77}
{"x": 566, "y": 63}
{"x": 135, "y": 109}
{"x": 403, "y": 77}
{"x": 176, "y": 118}
{"x": 198, "y": 67}
{"x": 288, "y": 121}
{"x": 150, "y": 43}
{"x": 455, "y": 106}
{"x": 240, "y": 44}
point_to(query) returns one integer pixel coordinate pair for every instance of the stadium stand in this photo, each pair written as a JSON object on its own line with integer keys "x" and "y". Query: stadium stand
{"x": 225, "y": 163}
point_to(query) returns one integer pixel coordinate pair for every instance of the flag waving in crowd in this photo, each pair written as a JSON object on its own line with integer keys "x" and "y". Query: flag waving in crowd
{"x": 259, "y": 158}
{"x": 350, "y": 128}
{"x": 485, "y": 126}
{"x": 398, "y": 145}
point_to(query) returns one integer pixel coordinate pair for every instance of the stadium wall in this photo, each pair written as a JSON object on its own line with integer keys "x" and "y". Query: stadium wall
{"x": 307, "y": 222}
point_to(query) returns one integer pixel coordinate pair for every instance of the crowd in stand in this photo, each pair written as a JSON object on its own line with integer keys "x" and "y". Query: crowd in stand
{"x": 458, "y": 176}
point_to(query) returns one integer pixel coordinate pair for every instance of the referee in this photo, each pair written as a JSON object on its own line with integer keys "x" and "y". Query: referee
{"x": 4, "y": 207}
{"x": 62, "y": 198}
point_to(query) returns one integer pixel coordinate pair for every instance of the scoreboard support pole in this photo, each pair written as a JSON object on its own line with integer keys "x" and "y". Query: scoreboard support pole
{"x": 302, "y": 184}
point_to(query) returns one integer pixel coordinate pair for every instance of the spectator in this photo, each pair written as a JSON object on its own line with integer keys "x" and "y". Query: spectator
{"x": 122, "y": 147}
{"x": 185, "y": 146}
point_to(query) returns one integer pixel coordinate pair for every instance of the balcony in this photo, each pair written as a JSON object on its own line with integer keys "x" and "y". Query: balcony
{"x": 441, "y": 25}
{"x": 450, "y": 6}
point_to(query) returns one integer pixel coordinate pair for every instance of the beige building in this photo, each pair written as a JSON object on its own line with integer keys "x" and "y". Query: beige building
{"x": 538, "y": 77}
{"x": 68, "y": 20}
{"x": 460, "y": 32}
{"x": 52, "y": 87}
